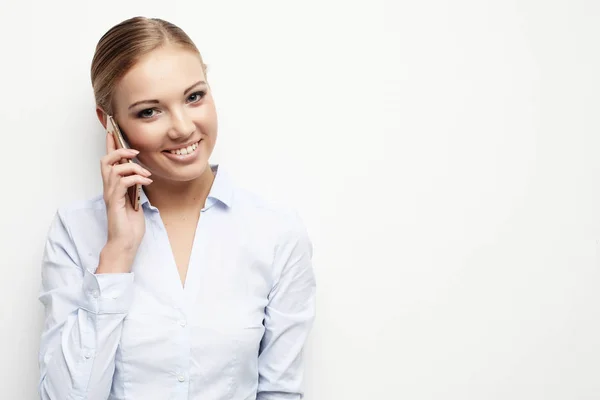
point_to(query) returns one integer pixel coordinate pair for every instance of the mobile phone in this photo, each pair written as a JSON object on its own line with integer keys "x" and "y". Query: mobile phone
{"x": 133, "y": 191}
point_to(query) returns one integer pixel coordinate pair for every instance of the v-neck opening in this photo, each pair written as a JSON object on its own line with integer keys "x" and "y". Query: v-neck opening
{"x": 171, "y": 272}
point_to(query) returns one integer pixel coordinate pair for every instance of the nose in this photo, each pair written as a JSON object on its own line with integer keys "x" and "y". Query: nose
{"x": 181, "y": 125}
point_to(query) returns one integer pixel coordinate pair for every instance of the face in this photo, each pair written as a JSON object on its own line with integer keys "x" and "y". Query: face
{"x": 164, "y": 107}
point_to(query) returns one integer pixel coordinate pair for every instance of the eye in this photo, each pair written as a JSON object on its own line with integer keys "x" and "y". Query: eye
{"x": 196, "y": 96}
{"x": 147, "y": 113}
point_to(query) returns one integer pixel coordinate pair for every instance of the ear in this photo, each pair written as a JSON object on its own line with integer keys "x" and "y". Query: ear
{"x": 101, "y": 116}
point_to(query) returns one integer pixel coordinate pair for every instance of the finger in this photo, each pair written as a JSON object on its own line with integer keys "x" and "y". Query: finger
{"x": 116, "y": 156}
{"x": 119, "y": 190}
{"x": 128, "y": 181}
{"x": 130, "y": 169}
{"x": 131, "y": 180}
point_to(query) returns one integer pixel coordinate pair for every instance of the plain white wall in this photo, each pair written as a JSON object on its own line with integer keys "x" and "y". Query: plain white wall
{"x": 442, "y": 153}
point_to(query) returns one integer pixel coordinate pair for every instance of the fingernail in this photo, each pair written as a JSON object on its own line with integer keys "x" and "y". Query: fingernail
{"x": 134, "y": 151}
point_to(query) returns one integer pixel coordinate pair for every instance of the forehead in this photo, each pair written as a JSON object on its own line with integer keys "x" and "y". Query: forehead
{"x": 160, "y": 73}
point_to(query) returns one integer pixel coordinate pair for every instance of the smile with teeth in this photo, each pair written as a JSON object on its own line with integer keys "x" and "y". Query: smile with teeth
{"x": 185, "y": 150}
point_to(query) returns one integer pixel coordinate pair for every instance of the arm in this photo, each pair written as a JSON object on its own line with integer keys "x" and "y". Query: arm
{"x": 288, "y": 319}
{"x": 83, "y": 319}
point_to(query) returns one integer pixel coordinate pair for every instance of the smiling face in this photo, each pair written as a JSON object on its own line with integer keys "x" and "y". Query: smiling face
{"x": 164, "y": 107}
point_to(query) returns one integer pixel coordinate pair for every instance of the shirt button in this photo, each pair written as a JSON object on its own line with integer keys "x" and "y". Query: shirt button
{"x": 95, "y": 294}
{"x": 181, "y": 378}
{"x": 88, "y": 355}
{"x": 183, "y": 323}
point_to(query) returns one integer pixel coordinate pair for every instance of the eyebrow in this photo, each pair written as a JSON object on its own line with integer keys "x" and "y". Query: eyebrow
{"x": 153, "y": 101}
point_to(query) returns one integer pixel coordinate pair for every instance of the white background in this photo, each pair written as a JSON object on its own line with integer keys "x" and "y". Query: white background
{"x": 443, "y": 154}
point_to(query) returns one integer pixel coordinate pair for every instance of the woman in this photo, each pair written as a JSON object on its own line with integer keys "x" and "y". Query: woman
{"x": 207, "y": 291}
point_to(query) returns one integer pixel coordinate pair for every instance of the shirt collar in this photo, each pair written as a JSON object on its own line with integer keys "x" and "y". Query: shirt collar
{"x": 221, "y": 190}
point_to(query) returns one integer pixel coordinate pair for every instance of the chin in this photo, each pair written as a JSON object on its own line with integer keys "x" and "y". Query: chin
{"x": 187, "y": 173}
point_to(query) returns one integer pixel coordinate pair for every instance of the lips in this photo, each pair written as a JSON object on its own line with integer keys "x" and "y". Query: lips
{"x": 185, "y": 150}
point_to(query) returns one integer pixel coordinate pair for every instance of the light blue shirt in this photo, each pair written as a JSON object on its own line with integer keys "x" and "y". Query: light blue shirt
{"x": 236, "y": 330}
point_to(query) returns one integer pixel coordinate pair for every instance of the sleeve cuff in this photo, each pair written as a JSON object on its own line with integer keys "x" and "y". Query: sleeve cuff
{"x": 107, "y": 293}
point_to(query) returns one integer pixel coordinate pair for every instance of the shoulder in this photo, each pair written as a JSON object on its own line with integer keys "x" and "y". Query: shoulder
{"x": 272, "y": 223}
{"x": 269, "y": 213}
{"x": 278, "y": 229}
{"x": 81, "y": 222}
{"x": 75, "y": 210}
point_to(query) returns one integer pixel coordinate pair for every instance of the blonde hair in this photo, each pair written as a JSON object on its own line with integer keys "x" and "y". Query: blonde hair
{"x": 123, "y": 45}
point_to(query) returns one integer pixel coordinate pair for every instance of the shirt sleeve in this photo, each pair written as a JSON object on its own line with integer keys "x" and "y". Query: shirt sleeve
{"x": 83, "y": 319}
{"x": 289, "y": 316}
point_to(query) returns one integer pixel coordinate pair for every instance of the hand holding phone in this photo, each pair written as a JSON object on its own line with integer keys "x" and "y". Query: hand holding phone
{"x": 113, "y": 129}
{"x": 126, "y": 225}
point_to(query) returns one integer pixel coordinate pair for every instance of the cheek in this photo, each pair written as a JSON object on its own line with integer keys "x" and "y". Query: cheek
{"x": 208, "y": 125}
{"x": 149, "y": 148}
{"x": 149, "y": 160}
{"x": 146, "y": 139}
{"x": 206, "y": 117}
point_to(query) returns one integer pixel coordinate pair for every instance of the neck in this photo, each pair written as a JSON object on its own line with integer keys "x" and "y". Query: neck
{"x": 172, "y": 196}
